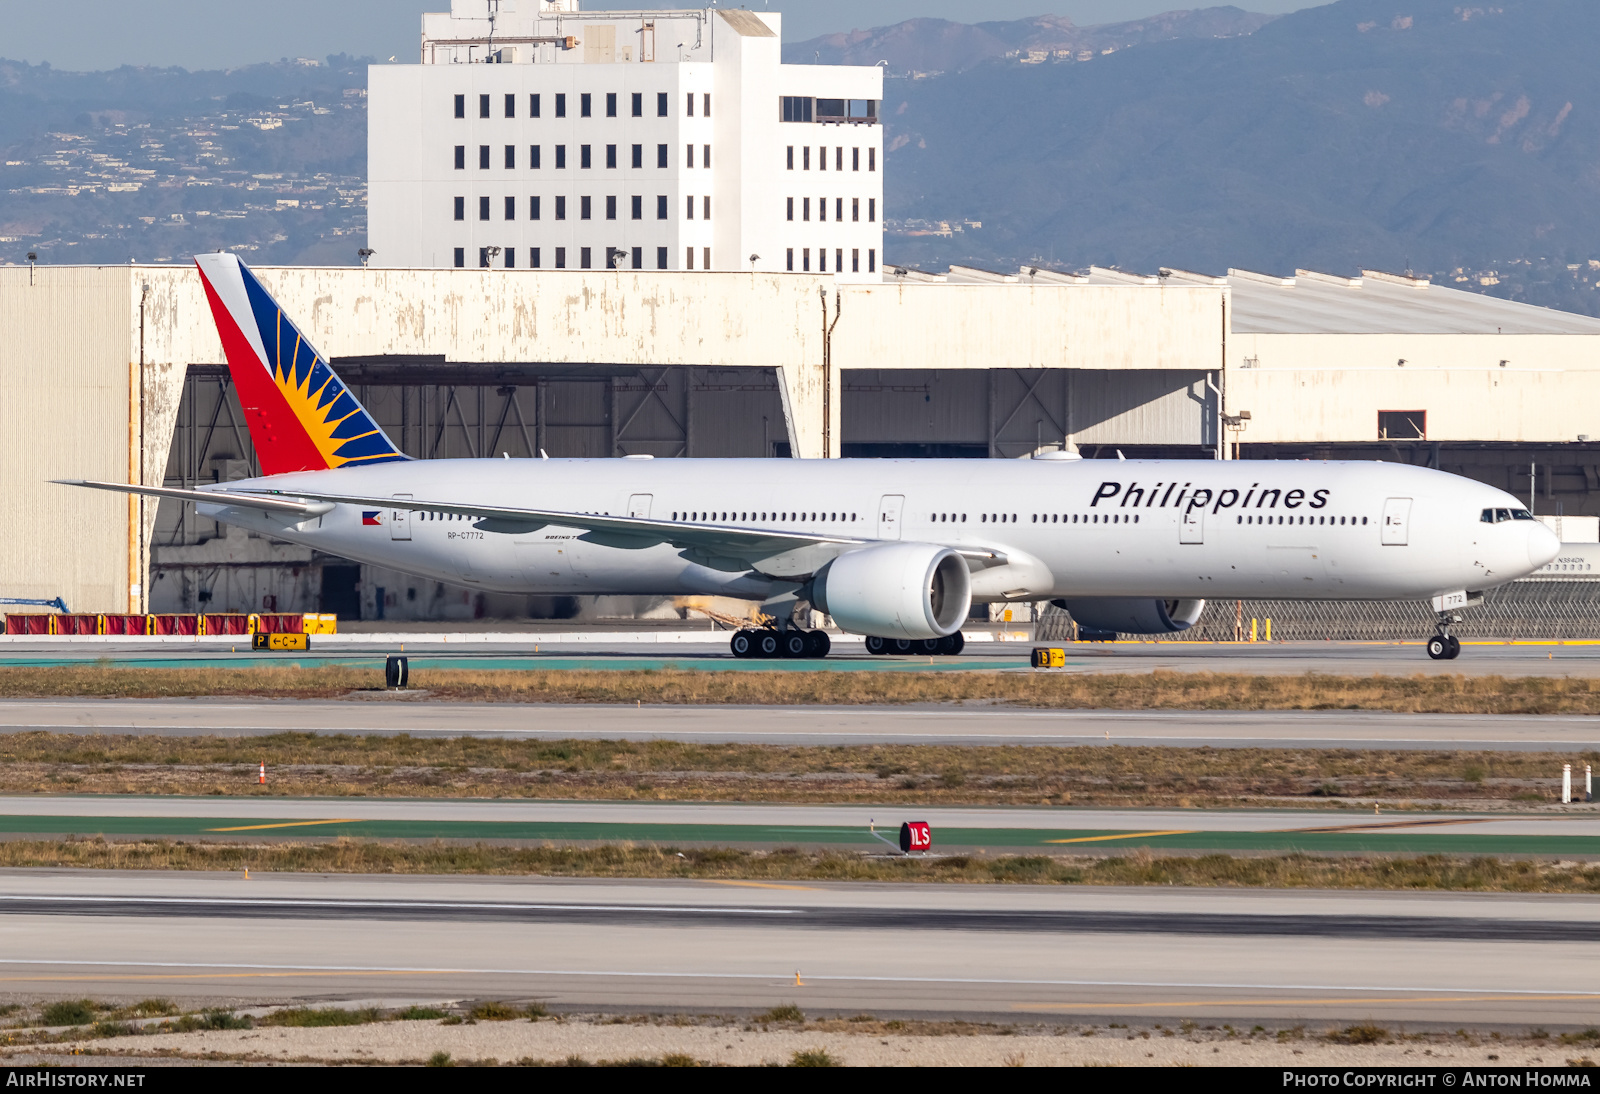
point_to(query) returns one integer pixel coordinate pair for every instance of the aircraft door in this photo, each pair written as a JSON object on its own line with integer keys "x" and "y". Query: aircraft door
{"x": 889, "y": 507}
{"x": 1396, "y": 522}
{"x": 400, "y": 518}
{"x": 639, "y": 505}
{"x": 1192, "y": 525}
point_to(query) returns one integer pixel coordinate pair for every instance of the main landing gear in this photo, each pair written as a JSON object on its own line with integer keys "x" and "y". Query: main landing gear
{"x": 948, "y": 646}
{"x": 769, "y": 642}
{"x": 1445, "y": 646}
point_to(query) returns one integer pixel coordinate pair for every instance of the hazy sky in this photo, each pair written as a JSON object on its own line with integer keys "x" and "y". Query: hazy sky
{"x": 96, "y": 34}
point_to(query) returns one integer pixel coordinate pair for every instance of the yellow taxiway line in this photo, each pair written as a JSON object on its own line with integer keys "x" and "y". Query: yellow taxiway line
{"x": 1122, "y": 835}
{"x": 286, "y": 824}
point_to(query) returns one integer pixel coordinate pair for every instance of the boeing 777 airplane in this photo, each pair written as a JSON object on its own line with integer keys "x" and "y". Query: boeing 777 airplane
{"x": 896, "y": 550}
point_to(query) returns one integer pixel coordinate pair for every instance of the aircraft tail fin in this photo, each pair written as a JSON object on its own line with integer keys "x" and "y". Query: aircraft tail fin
{"x": 300, "y": 414}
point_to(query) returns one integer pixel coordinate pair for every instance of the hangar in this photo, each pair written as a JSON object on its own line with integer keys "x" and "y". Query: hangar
{"x": 116, "y": 372}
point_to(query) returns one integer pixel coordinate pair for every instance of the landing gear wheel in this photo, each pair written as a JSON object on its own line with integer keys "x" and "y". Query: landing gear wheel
{"x": 742, "y": 644}
{"x": 950, "y": 645}
{"x": 818, "y": 644}
{"x": 900, "y": 645}
{"x": 929, "y": 646}
{"x": 877, "y": 645}
{"x": 793, "y": 644}
{"x": 1455, "y": 648}
{"x": 767, "y": 644}
{"x": 1439, "y": 647}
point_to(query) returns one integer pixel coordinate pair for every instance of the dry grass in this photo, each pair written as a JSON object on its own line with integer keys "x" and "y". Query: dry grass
{"x": 350, "y": 856}
{"x": 329, "y": 765}
{"x": 1156, "y": 690}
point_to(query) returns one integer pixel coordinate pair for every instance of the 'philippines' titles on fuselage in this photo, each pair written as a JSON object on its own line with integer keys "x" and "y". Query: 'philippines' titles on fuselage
{"x": 1134, "y": 496}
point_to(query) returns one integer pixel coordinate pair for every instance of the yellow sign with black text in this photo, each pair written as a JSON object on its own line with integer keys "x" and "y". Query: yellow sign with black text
{"x": 280, "y": 642}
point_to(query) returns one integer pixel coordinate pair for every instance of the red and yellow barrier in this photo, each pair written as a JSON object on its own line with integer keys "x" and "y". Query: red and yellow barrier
{"x": 200, "y": 625}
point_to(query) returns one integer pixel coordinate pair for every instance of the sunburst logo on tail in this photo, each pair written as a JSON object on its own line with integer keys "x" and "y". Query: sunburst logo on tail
{"x": 301, "y": 415}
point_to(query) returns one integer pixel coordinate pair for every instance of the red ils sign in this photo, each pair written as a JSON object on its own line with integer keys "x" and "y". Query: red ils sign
{"x": 915, "y": 836}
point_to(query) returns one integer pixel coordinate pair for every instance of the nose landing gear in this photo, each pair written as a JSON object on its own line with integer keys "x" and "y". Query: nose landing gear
{"x": 1445, "y": 646}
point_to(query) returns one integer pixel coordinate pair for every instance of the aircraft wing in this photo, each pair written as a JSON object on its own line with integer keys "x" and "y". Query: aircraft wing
{"x": 287, "y": 504}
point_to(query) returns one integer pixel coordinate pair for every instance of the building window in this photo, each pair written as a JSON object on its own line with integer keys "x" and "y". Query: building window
{"x": 511, "y": 112}
{"x": 611, "y": 207}
{"x": 690, "y": 108}
{"x": 661, "y": 209}
{"x": 705, "y": 155}
{"x": 689, "y": 252}
{"x": 611, "y": 156}
{"x": 872, "y": 159}
{"x": 855, "y": 260}
{"x": 790, "y": 215}
{"x": 805, "y": 260}
{"x": 822, "y": 259}
{"x": 872, "y": 260}
{"x": 661, "y": 110}
{"x": 791, "y": 157}
{"x": 688, "y": 155}
{"x": 705, "y": 258}
{"x": 805, "y": 209}
{"x": 705, "y": 207}
{"x": 461, "y": 108}
{"x": 533, "y": 106}
{"x": 511, "y": 157}
{"x": 533, "y": 157}
{"x": 583, "y": 252}
{"x": 561, "y": 257}
{"x": 533, "y": 208}
{"x": 533, "y": 258}
{"x": 483, "y": 208}
{"x": 661, "y": 258}
{"x": 805, "y": 158}
{"x": 796, "y": 108}
{"x": 561, "y": 112}
{"x": 561, "y": 157}
{"x": 838, "y": 208}
{"x": 855, "y": 159}
{"x": 638, "y": 105}
{"x": 511, "y": 208}
{"x": 585, "y": 100}
{"x": 461, "y": 157}
{"x": 461, "y": 208}
{"x": 584, "y": 161}
{"x": 638, "y": 156}
{"x": 483, "y": 157}
{"x": 790, "y": 266}
{"x": 822, "y": 209}
{"x": 822, "y": 158}
{"x": 583, "y": 209}
{"x": 838, "y": 158}
{"x": 561, "y": 207}
{"x": 611, "y": 104}
{"x": 705, "y": 105}
{"x": 638, "y": 258}
{"x": 690, "y": 213}
{"x": 872, "y": 210}
{"x": 638, "y": 209}
{"x": 461, "y": 257}
{"x": 661, "y": 155}
{"x": 483, "y": 106}
{"x": 483, "y": 252}
{"x": 855, "y": 209}
{"x": 511, "y": 252}
{"x": 838, "y": 260}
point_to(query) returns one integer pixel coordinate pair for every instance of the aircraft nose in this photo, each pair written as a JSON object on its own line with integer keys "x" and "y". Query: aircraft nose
{"x": 1543, "y": 545}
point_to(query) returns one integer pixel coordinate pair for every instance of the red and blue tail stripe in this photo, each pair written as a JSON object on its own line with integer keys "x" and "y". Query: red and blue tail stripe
{"x": 300, "y": 414}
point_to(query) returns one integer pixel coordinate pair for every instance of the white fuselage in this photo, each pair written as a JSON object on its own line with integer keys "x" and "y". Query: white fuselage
{"x": 1065, "y": 528}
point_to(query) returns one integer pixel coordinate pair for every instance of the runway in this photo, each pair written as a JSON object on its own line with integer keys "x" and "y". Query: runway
{"x": 698, "y": 650}
{"x": 391, "y": 713}
{"x": 1574, "y": 832}
{"x": 981, "y": 951}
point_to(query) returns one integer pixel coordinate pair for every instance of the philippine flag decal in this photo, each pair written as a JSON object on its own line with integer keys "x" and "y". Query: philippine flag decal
{"x": 371, "y": 516}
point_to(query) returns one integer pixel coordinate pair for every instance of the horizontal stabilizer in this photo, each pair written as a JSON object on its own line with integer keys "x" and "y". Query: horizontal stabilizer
{"x": 266, "y": 504}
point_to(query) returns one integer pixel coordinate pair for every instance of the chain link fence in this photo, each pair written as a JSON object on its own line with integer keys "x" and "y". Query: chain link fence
{"x": 1539, "y": 609}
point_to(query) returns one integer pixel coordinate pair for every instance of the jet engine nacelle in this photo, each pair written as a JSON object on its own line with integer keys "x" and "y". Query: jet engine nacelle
{"x": 1131, "y": 616}
{"x": 895, "y": 590}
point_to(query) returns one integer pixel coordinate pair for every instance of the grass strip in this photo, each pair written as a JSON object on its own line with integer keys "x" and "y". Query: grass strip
{"x": 1160, "y": 690}
{"x": 339, "y": 765}
{"x": 1141, "y": 867}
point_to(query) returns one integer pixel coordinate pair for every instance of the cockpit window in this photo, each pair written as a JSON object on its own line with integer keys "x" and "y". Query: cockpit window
{"x": 1488, "y": 516}
{"x": 1521, "y": 514}
{"x": 1495, "y": 516}
{"x": 1501, "y": 514}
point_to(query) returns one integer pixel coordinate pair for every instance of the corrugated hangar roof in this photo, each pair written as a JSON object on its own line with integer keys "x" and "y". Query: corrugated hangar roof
{"x": 1378, "y": 303}
{"x": 1315, "y": 303}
